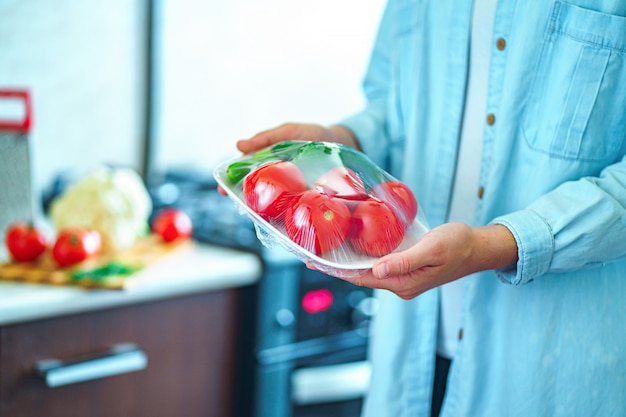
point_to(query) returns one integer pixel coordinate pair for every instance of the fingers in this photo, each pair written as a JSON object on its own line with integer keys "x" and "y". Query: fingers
{"x": 258, "y": 141}
{"x": 287, "y": 131}
{"x": 368, "y": 280}
{"x": 399, "y": 273}
{"x": 400, "y": 286}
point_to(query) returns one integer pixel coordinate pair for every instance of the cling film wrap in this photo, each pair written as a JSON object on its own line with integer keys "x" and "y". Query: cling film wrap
{"x": 326, "y": 203}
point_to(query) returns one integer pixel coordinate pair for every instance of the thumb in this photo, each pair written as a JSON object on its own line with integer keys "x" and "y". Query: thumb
{"x": 399, "y": 263}
{"x": 391, "y": 265}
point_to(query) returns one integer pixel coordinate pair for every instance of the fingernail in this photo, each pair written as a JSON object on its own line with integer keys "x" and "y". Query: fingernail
{"x": 382, "y": 270}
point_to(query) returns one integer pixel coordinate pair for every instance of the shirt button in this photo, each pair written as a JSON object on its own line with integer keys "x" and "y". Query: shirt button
{"x": 460, "y": 334}
{"x": 491, "y": 119}
{"x": 501, "y": 44}
{"x": 481, "y": 191}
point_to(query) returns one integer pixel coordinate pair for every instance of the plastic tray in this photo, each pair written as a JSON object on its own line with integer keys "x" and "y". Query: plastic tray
{"x": 345, "y": 260}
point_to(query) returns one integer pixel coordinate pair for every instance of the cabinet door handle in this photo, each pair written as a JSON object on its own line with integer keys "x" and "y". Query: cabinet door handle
{"x": 121, "y": 358}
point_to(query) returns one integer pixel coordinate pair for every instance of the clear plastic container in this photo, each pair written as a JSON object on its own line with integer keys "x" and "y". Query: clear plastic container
{"x": 328, "y": 204}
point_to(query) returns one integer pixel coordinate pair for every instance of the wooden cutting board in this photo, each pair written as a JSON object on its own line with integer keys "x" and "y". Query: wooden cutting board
{"x": 111, "y": 271}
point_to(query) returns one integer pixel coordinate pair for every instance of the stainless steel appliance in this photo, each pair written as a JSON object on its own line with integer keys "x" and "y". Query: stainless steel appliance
{"x": 310, "y": 357}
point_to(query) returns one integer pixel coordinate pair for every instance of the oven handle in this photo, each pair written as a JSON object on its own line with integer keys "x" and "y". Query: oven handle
{"x": 325, "y": 384}
{"x": 121, "y": 358}
{"x": 312, "y": 347}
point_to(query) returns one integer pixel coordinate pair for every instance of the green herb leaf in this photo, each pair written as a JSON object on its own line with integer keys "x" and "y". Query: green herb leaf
{"x": 101, "y": 274}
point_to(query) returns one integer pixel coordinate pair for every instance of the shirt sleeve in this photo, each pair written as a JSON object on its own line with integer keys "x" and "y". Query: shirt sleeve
{"x": 580, "y": 224}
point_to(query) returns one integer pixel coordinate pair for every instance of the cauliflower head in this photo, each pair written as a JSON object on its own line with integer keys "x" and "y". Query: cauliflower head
{"x": 113, "y": 201}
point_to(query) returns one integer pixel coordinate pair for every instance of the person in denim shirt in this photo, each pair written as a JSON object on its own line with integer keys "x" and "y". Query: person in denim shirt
{"x": 543, "y": 318}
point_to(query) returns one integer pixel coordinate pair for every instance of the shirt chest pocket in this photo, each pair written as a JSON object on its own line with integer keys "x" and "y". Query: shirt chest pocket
{"x": 577, "y": 102}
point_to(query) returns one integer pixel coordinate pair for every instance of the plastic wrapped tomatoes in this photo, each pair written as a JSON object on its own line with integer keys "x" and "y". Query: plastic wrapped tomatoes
{"x": 328, "y": 204}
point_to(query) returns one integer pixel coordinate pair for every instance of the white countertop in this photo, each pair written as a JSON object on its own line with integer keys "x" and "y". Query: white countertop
{"x": 198, "y": 268}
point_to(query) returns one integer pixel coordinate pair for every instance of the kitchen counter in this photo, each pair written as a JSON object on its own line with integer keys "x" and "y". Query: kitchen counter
{"x": 183, "y": 322}
{"x": 196, "y": 268}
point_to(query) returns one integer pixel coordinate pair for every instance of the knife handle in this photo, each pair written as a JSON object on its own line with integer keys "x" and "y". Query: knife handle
{"x": 23, "y": 125}
{"x": 120, "y": 359}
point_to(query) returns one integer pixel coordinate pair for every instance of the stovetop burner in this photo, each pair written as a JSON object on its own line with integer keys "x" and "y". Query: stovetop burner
{"x": 215, "y": 218}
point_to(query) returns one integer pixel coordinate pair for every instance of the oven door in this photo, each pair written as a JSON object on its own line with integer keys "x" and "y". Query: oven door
{"x": 327, "y": 376}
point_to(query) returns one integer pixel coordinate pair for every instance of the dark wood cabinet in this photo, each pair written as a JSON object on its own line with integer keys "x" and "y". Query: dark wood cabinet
{"x": 191, "y": 343}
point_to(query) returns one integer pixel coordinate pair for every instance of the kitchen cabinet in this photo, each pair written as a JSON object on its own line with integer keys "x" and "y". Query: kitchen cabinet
{"x": 187, "y": 321}
{"x": 190, "y": 343}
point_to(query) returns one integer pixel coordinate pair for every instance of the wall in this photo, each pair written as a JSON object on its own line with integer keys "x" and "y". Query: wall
{"x": 229, "y": 69}
{"x": 83, "y": 62}
{"x": 225, "y": 70}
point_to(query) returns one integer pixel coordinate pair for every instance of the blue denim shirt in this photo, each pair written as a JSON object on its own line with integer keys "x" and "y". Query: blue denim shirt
{"x": 546, "y": 337}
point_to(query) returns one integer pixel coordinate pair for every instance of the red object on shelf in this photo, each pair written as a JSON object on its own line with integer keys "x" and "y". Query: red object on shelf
{"x": 24, "y": 125}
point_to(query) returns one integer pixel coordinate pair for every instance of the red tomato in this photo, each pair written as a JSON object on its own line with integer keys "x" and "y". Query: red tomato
{"x": 376, "y": 230}
{"x": 399, "y": 197}
{"x": 24, "y": 242}
{"x": 269, "y": 188}
{"x": 341, "y": 182}
{"x": 75, "y": 245}
{"x": 317, "y": 222}
{"x": 172, "y": 224}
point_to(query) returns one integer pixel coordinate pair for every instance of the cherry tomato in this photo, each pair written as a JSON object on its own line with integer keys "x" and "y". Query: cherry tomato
{"x": 376, "y": 230}
{"x": 172, "y": 224}
{"x": 399, "y": 197}
{"x": 74, "y": 245}
{"x": 24, "y": 242}
{"x": 317, "y": 222}
{"x": 341, "y": 182}
{"x": 269, "y": 189}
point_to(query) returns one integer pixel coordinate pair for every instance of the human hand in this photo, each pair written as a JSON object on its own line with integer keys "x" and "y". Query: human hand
{"x": 446, "y": 253}
{"x": 297, "y": 131}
